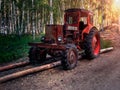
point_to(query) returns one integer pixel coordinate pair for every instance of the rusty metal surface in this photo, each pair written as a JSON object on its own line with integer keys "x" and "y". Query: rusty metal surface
{"x": 53, "y": 32}
{"x": 48, "y": 46}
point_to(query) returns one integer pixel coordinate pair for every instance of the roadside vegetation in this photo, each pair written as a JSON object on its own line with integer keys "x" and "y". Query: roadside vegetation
{"x": 106, "y": 43}
{"x": 13, "y": 47}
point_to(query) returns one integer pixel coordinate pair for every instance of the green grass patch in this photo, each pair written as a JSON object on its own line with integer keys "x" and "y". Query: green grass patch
{"x": 13, "y": 47}
{"x": 105, "y": 43}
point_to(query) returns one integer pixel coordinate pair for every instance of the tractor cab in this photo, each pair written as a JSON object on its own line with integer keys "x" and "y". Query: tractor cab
{"x": 77, "y": 21}
{"x": 74, "y": 17}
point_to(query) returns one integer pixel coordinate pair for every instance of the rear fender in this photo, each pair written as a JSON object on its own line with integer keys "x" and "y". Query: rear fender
{"x": 86, "y": 30}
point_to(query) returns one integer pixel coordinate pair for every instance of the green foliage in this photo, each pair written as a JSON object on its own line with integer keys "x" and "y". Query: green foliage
{"x": 105, "y": 43}
{"x": 13, "y": 47}
{"x": 22, "y": 15}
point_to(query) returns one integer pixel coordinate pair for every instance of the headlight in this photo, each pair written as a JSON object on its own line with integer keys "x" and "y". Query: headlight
{"x": 43, "y": 38}
{"x": 59, "y": 39}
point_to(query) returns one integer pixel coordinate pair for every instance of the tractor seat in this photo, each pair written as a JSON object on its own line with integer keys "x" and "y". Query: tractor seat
{"x": 81, "y": 25}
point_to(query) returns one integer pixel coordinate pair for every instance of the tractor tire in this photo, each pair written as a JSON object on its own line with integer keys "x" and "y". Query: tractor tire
{"x": 32, "y": 55}
{"x": 92, "y": 44}
{"x": 36, "y": 56}
{"x": 70, "y": 57}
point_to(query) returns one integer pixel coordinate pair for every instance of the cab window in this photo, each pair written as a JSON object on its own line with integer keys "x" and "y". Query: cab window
{"x": 72, "y": 18}
{"x": 84, "y": 19}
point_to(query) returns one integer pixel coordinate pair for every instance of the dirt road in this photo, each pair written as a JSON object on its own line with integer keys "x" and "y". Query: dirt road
{"x": 102, "y": 73}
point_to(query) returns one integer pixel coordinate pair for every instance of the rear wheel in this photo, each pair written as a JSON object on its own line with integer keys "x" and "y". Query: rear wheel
{"x": 37, "y": 55}
{"x": 70, "y": 57}
{"x": 92, "y": 44}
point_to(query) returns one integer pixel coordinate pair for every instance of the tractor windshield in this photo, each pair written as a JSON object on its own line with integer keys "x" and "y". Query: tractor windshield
{"x": 84, "y": 19}
{"x": 72, "y": 18}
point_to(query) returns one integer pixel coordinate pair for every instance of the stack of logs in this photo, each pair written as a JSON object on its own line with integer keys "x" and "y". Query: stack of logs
{"x": 32, "y": 70}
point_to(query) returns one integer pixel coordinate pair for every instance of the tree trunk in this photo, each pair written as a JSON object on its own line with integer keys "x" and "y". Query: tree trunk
{"x": 29, "y": 71}
{"x": 11, "y": 66}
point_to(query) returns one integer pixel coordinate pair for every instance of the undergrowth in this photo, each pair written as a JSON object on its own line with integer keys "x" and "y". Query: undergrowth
{"x": 106, "y": 43}
{"x": 13, "y": 47}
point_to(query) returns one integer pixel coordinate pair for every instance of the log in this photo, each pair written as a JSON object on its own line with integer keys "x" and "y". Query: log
{"x": 29, "y": 71}
{"x": 14, "y": 66}
{"x": 37, "y": 69}
{"x": 106, "y": 50}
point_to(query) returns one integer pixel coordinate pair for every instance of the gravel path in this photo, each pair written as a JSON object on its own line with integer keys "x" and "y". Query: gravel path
{"x": 102, "y": 73}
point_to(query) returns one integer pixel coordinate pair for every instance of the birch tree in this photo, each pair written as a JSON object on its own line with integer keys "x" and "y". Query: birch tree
{"x": 30, "y": 16}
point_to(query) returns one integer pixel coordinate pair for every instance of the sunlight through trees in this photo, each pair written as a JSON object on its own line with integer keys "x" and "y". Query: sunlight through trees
{"x": 31, "y": 16}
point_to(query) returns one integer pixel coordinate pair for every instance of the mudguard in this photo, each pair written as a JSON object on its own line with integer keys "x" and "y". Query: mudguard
{"x": 87, "y": 30}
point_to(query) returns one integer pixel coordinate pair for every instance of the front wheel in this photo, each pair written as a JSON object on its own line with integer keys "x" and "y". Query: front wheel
{"x": 92, "y": 44}
{"x": 70, "y": 57}
{"x": 37, "y": 55}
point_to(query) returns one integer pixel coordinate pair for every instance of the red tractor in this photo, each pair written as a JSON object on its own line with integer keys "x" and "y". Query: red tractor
{"x": 65, "y": 41}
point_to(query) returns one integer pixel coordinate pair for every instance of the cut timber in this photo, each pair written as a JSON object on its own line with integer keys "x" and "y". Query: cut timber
{"x": 106, "y": 50}
{"x": 29, "y": 71}
{"x": 36, "y": 69}
{"x": 13, "y": 66}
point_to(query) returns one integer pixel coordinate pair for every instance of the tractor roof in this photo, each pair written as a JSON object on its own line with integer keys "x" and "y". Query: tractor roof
{"x": 83, "y": 11}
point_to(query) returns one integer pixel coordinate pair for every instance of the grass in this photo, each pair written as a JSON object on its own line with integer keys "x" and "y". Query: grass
{"x": 13, "y": 47}
{"x": 105, "y": 43}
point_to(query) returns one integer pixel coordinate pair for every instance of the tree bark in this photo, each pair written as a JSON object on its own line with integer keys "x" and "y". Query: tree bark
{"x": 106, "y": 50}
{"x": 13, "y": 66}
{"x": 29, "y": 71}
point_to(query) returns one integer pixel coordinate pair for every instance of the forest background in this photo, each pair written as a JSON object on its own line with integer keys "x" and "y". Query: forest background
{"x": 23, "y": 21}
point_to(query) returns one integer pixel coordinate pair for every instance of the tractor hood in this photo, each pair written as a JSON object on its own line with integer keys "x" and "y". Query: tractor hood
{"x": 54, "y": 33}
